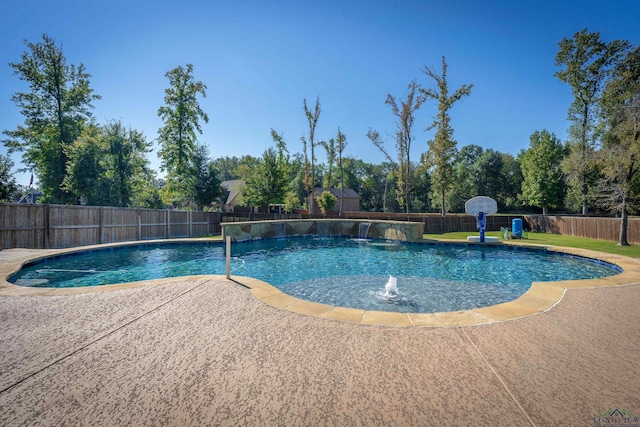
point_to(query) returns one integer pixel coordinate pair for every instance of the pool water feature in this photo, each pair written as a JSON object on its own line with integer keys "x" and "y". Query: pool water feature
{"x": 336, "y": 271}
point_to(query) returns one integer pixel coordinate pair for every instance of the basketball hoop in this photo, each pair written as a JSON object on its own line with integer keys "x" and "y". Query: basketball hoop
{"x": 481, "y": 207}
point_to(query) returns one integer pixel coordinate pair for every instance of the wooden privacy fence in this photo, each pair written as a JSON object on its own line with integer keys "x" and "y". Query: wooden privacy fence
{"x": 43, "y": 226}
{"x": 591, "y": 227}
{"x": 60, "y": 226}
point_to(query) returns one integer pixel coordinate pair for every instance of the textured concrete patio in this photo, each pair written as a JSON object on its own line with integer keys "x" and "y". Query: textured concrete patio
{"x": 206, "y": 351}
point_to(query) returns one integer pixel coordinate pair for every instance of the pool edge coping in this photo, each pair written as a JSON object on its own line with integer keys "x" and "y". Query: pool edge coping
{"x": 539, "y": 298}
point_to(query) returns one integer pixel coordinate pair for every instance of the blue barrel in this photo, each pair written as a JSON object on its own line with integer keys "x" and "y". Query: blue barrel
{"x": 516, "y": 228}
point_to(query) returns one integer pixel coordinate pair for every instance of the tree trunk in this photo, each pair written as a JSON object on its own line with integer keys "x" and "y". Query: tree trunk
{"x": 384, "y": 197}
{"x": 545, "y": 210}
{"x": 341, "y": 182}
{"x": 624, "y": 222}
{"x": 585, "y": 189}
{"x": 585, "y": 207}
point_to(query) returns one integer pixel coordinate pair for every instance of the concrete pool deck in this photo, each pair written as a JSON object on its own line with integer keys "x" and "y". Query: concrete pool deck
{"x": 205, "y": 351}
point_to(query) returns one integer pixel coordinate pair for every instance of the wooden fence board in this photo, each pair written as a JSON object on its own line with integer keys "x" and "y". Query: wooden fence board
{"x": 590, "y": 227}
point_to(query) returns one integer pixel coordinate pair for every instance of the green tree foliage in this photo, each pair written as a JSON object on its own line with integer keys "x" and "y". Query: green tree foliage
{"x": 244, "y": 166}
{"x": 479, "y": 172}
{"x": 327, "y": 201}
{"x": 442, "y": 149}
{"x": 56, "y": 109}
{"x": 227, "y": 167}
{"x": 207, "y": 184}
{"x": 498, "y": 176}
{"x": 284, "y": 159}
{"x": 341, "y": 145}
{"x": 329, "y": 179}
{"x": 266, "y": 183}
{"x": 464, "y": 183}
{"x": 511, "y": 175}
{"x": 488, "y": 173}
{"x": 86, "y": 171}
{"x": 586, "y": 63}
{"x": 291, "y": 201}
{"x": 374, "y": 183}
{"x": 107, "y": 166}
{"x": 181, "y": 116}
{"x": 543, "y": 181}
{"x": 147, "y": 194}
{"x": 296, "y": 179}
{"x": 8, "y": 186}
{"x": 422, "y": 186}
{"x": 620, "y": 154}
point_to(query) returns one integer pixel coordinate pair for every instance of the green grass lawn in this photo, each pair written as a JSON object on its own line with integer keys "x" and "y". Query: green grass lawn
{"x": 554, "y": 239}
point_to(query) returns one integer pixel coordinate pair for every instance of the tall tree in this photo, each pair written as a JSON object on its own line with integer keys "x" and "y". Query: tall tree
{"x": 55, "y": 110}
{"x": 181, "y": 115}
{"x": 281, "y": 146}
{"x": 442, "y": 149}
{"x": 307, "y": 183}
{"x": 620, "y": 154}
{"x": 391, "y": 173}
{"x": 283, "y": 154}
{"x": 374, "y": 137}
{"x": 341, "y": 145}
{"x": 586, "y": 63}
{"x": 404, "y": 113}
{"x": 312, "y": 119}
{"x": 8, "y": 184}
{"x": 405, "y": 116}
{"x": 330, "y": 149}
{"x": 543, "y": 184}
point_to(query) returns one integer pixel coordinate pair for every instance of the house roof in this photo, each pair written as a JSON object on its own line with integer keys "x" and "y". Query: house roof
{"x": 338, "y": 192}
{"x": 29, "y": 198}
{"x": 234, "y": 187}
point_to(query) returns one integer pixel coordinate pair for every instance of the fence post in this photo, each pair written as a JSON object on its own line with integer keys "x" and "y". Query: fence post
{"x": 168, "y": 224}
{"x": 101, "y": 225}
{"x": 139, "y": 225}
{"x": 190, "y": 225}
{"x": 46, "y": 235}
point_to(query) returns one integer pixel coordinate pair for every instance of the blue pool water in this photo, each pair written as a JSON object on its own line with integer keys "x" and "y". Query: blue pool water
{"x": 335, "y": 271}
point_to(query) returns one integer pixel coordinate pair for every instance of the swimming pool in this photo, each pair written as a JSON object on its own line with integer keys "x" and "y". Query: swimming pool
{"x": 337, "y": 271}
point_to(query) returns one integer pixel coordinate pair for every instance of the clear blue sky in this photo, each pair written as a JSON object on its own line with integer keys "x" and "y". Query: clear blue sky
{"x": 260, "y": 59}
